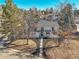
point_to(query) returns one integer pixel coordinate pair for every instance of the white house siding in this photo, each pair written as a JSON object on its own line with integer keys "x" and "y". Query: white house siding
{"x": 77, "y": 27}
{"x": 77, "y": 23}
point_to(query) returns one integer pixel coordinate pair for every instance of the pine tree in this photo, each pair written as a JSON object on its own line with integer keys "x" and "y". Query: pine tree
{"x": 67, "y": 20}
{"x": 11, "y": 13}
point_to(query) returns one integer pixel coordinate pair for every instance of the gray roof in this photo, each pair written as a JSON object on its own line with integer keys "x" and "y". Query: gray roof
{"x": 47, "y": 25}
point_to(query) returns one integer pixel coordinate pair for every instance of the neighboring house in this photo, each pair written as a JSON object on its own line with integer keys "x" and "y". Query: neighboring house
{"x": 77, "y": 22}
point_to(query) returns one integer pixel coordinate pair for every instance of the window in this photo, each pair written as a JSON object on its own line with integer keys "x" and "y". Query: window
{"x": 47, "y": 33}
{"x": 35, "y": 29}
{"x": 77, "y": 22}
{"x": 52, "y": 29}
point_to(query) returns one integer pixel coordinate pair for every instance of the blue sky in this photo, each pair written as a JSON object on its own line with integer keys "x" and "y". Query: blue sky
{"x": 40, "y": 4}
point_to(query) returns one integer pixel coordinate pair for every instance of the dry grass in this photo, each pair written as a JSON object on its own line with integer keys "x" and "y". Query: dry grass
{"x": 21, "y": 44}
{"x": 69, "y": 50}
{"x": 65, "y": 51}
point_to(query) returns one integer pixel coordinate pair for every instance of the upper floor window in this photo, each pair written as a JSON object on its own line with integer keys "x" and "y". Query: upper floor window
{"x": 77, "y": 22}
{"x": 52, "y": 29}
